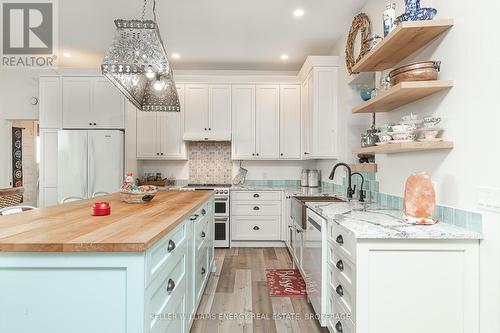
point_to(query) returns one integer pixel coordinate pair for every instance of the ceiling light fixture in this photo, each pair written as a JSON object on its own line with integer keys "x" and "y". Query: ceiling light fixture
{"x": 298, "y": 12}
{"x": 176, "y": 55}
{"x": 67, "y": 55}
{"x": 136, "y": 57}
{"x": 284, "y": 57}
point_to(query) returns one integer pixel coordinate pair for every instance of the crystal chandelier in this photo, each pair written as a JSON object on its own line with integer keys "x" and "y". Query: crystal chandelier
{"x": 137, "y": 64}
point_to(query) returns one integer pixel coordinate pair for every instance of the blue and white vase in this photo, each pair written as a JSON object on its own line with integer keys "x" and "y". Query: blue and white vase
{"x": 412, "y": 5}
{"x": 415, "y": 13}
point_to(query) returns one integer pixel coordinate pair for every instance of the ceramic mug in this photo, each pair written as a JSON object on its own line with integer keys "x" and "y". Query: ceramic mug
{"x": 430, "y": 134}
{"x": 384, "y": 128}
{"x": 430, "y": 122}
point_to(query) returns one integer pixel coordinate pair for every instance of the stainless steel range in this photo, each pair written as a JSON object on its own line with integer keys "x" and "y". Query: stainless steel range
{"x": 221, "y": 211}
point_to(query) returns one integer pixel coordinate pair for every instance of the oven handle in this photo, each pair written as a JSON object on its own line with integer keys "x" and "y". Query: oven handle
{"x": 224, "y": 219}
{"x": 221, "y": 199}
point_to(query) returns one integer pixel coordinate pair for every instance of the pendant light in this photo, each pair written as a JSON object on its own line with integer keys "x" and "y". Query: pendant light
{"x": 137, "y": 64}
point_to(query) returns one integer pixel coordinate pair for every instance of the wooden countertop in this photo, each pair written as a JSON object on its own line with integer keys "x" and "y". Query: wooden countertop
{"x": 71, "y": 228}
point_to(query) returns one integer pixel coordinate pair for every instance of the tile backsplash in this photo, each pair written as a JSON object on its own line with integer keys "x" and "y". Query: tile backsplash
{"x": 210, "y": 162}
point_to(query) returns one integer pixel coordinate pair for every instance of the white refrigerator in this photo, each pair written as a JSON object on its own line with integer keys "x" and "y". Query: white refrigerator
{"x": 90, "y": 163}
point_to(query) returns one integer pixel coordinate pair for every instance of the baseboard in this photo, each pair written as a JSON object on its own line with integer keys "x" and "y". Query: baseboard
{"x": 258, "y": 244}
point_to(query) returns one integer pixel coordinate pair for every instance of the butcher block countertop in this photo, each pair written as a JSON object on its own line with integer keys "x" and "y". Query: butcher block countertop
{"x": 71, "y": 228}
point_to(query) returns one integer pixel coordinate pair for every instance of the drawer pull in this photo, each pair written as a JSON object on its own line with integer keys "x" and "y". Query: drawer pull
{"x": 338, "y": 327}
{"x": 203, "y": 212}
{"x": 256, "y": 208}
{"x": 340, "y": 265}
{"x": 203, "y": 235}
{"x": 256, "y": 195}
{"x": 340, "y": 290}
{"x": 256, "y": 228}
{"x": 203, "y": 271}
{"x": 194, "y": 217}
{"x": 340, "y": 239}
{"x": 170, "y": 286}
{"x": 171, "y": 246}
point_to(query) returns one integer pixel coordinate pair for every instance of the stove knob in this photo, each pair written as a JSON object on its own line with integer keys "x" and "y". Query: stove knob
{"x": 226, "y": 191}
{"x": 216, "y": 191}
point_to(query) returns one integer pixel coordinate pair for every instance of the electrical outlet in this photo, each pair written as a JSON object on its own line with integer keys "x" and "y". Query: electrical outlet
{"x": 488, "y": 198}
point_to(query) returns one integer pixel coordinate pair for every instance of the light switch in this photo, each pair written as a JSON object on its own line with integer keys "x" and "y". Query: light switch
{"x": 488, "y": 198}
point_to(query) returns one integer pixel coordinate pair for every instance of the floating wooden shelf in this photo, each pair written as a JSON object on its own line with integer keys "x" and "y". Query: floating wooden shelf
{"x": 402, "y": 94}
{"x": 407, "y": 38}
{"x": 404, "y": 147}
{"x": 362, "y": 79}
{"x": 364, "y": 167}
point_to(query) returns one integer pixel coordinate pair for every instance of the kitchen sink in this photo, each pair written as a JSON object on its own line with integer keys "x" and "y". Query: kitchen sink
{"x": 319, "y": 199}
{"x": 299, "y": 207}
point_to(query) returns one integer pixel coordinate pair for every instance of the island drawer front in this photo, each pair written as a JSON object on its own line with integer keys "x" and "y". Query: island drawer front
{"x": 165, "y": 295}
{"x": 201, "y": 233}
{"x": 166, "y": 252}
{"x": 343, "y": 240}
{"x": 339, "y": 321}
{"x": 339, "y": 265}
{"x": 257, "y": 208}
{"x": 255, "y": 196}
{"x": 201, "y": 273}
{"x": 345, "y": 295}
{"x": 255, "y": 228}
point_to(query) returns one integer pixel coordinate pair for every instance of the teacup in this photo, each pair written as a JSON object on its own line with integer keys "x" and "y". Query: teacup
{"x": 384, "y": 138}
{"x": 400, "y": 128}
{"x": 404, "y": 137}
{"x": 431, "y": 134}
{"x": 430, "y": 122}
{"x": 384, "y": 128}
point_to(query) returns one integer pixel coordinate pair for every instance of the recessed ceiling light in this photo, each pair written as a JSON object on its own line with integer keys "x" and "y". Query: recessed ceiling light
{"x": 176, "y": 55}
{"x": 298, "y": 12}
{"x": 284, "y": 57}
{"x": 67, "y": 55}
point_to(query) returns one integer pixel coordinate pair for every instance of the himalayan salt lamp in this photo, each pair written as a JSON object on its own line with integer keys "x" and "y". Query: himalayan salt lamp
{"x": 420, "y": 199}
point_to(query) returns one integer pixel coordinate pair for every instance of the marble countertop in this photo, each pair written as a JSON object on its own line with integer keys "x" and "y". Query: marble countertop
{"x": 290, "y": 190}
{"x": 372, "y": 221}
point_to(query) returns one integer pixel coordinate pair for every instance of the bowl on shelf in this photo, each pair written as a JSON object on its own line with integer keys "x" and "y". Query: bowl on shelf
{"x": 417, "y": 71}
{"x": 366, "y": 94}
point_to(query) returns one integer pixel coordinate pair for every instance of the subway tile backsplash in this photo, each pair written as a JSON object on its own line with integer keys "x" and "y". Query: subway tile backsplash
{"x": 210, "y": 162}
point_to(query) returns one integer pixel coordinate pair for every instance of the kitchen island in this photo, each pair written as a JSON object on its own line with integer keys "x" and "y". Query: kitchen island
{"x": 141, "y": 269}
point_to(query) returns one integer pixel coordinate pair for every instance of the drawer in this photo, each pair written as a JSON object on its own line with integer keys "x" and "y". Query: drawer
{"x": 344, "y": 269}
{"x": 201, "y": 272}
{"x": 255, "y": 228}
{"x": 257, "y": 208}
{"x": 166, "y": 252}
{"x": 201, "y": 233}
{"x": 339, "y": 321}
{"x": 344, "y": 294}
{"x": 165, "y": 296}
{"x": 255, "y": 196}
{"x": 344, "y": 240}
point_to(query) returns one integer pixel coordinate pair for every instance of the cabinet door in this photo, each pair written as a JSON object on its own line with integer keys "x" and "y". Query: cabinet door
{"x": 290, "y": 140}
{"x": 196, "y": 112}
{"x": 307, "y": 110}
{"x": 108, "y": 105}
{"x": 50, "y": 102}
{"x": 267, "y": 122}
{"x": 171, "y": 131}
{"x": 77, "y": 102}
{"x": 243, "y": 120}
{"x": 148, "y": 135}
{"x": 324, "y": 119}
{"x": 219, "y": 125}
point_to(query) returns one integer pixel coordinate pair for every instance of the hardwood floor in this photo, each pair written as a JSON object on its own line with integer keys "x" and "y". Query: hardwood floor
{"x": 236, "y": 298}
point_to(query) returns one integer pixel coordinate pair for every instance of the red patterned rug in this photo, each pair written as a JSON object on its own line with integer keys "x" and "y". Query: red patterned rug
{"x": 285, "y": 283}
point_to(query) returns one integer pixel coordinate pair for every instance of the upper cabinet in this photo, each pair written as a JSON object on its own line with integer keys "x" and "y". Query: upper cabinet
{"x": 319, "y": 113}
{"x": 289, "y": 121}
{"x": 50, "y": 102}
{"x": 207, "y": 112}
{"x": 267, "y": 122}
{"x": 243, "y": 122}
{"x": 91, "y": 103}
{"x": 159, "y": 134}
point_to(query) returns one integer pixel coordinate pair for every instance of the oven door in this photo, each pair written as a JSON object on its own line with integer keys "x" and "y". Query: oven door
{"x": 221, "y": 237}
{"x": 221, "y": 206}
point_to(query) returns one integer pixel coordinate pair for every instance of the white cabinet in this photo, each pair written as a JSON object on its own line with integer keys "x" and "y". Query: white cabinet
{"x": 243, "y": 122}
{"x": 48, "y": 167}
{"x": 90, "y": 103}
{"x": 290, "y": 133}
{"x": 50, "y": 102}
{"x": 319, "y": 113}
{"x": 267, "y": 122}
{"x": 159, "y": 134}
{"x": 208, "y": 112}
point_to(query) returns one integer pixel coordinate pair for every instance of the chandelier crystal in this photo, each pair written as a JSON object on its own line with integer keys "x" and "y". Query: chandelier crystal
{"x": 137, "y": 64}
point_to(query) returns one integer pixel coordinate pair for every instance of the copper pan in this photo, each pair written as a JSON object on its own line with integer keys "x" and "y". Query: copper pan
{"x": 418, "y": 71}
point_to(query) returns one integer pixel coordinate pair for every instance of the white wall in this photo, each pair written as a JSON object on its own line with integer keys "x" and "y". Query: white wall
{"x": 471, "y": 117}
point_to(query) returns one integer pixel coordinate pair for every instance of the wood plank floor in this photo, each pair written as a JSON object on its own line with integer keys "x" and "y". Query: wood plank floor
{"x": 236, "y": 298}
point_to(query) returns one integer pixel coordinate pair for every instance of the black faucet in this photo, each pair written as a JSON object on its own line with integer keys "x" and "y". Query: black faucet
{"x": 361, "y": 193}
{"x": 350, "y": 191}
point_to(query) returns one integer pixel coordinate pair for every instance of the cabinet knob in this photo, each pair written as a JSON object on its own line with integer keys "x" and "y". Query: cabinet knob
{"x": 306, "y": 153}
{"x": 203, "y": 235}
{"x": 158, "y": 154}
{"x": 256, "y": 228}
{"x": 282, "y": 154}
{"x": 340, "y": 239}
{"x": 171, "y": 246}
{"x": 340, "y": 265}
{"x": 253, "y": 154}
{"x": 203, "y": 211}
{"x": 256, "y": 195}
{"x": 95, "y": 124}
{"x": 161, "y": 154}
{"x": 170, "y": 286}
{"x": 256, "y": 208}
{"x": 338, "y": 327}
{"x": 257, "y": 154}
{"x": 203, "y": 271}
{"x": 90, "y": 124}
{"x": 205, "y": 128}
{"x": 339, "y": 290}
{"x": 194, "y": 217}
{"x": 209, "y": 129}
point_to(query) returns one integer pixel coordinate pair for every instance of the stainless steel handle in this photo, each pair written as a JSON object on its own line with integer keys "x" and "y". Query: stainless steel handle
{"x": 339, "y": 290}
{"x": 203, "y": 271}
{"x": 170, "y": 286}
{"x": 340, "y": 240}
{"x": 256, "y": 228}
{"x": 338, "y": 327}
{"x": 256, "y": 195}
{"x": 340, "y": 265}
{"x": 256, "y": 208}
{"x": 203, "y": 212}
{"x": 221, "y": 219}
{"x": 194, "y": 217}
{"x": 220, "y": 199}
{"x": 171, "y": 246}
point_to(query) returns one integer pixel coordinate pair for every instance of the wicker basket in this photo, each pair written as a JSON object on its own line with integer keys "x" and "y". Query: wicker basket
{"x": 137, "y": 198}
{"x": 11, "y": 197}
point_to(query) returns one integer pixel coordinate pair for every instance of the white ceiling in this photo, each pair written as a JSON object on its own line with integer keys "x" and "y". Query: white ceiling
{"x": 212, "y": 34}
